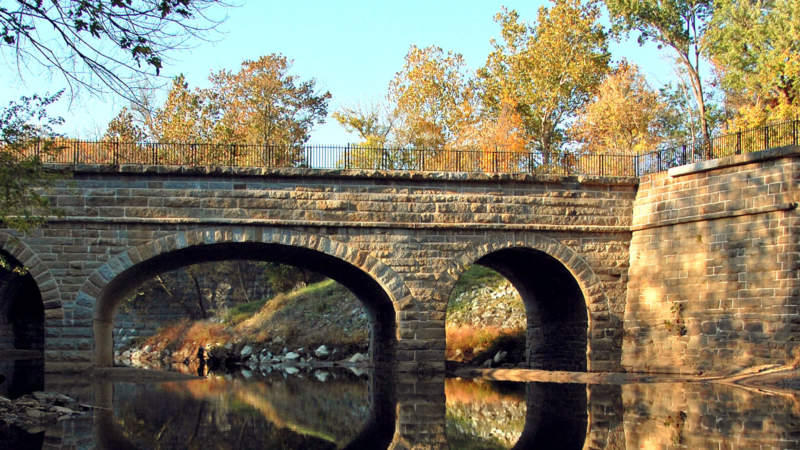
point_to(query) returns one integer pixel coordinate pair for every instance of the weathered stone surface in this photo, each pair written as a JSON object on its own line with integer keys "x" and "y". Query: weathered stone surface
{"x": 709, "y": 253}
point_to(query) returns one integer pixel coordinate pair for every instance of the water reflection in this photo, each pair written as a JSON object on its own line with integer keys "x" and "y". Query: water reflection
{"x": 221, "y": 412}
{"x": 342, "y": 410}
{"x": 494, "y": 415}
{"x": 484, "y": 414}
{"x": 20, "y": 376}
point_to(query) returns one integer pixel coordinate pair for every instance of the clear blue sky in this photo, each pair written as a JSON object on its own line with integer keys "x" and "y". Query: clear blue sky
{"x": 351, "y": 48}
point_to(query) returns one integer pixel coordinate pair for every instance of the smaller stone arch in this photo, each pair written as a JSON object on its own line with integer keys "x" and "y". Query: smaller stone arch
{"x": 38, "y": 269}
{"x": 25, "y": 297}
{"x": 508, "y": 255}
{"x": 125, "y": 269}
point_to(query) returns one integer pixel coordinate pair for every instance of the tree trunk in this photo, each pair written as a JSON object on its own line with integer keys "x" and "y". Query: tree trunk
{"x": 241, "y": 281}
{"x": 203, "y": 313}
{"x": 693, "y": 70}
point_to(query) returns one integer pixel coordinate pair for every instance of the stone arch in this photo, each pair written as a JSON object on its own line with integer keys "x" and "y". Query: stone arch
{"x": 602, "y": 347}
{"x": 38, "y": 269}
{"x": 131, "y": 267}
{"x": 25, "y": 297}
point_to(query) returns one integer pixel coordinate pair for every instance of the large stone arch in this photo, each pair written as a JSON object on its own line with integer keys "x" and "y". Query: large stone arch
{"x": 603, "y": 330}
{"x": 101, "y": 286}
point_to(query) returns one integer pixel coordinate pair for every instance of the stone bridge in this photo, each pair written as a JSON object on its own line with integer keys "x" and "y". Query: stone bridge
{"x": 695, "y": 270}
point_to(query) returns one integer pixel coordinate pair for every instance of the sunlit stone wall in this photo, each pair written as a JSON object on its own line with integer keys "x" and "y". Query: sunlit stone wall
{"x": 715, "y": 257}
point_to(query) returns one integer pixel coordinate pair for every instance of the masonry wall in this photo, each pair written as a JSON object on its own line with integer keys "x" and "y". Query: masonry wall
{"x": 713, "y": 282}
{"x": 424, "y": 228}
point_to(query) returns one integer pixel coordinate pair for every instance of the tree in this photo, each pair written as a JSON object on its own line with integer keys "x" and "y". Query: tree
{"x": 123, "y": 128}
{"x": 500, "y": 139}
{"x": 549, "y": 70}
{"x": 378, "y": 148}
{"x": 26, "y": 139}
{"x": 433, "y": 98}
{"x": 755, "y": 46}
{"x": 181, "y": 118}
{"x": 676, "y": 24}
{"x": 122, "y": 138}
{"x": 374, "y": 124}
{"x": 624, "y": 118}
{"x": 264, "y": 104}
{"x": 431, "y": 107}
{"x": 99, "y": 44}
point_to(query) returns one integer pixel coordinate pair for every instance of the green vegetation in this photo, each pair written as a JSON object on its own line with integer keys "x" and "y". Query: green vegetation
{"x": 243, "y": 311}
{"x": 25, "y": 125}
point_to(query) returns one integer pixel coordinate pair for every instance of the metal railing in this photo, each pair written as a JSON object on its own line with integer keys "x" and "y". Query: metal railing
{"x": 495, "y": 160}
{"x": 773, "y": 135}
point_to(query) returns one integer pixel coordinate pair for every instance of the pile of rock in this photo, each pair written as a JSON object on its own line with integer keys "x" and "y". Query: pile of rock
{"x": 253, "y": 357}
{"x": 232, "y": 355}
{"x": 498, "y": 305}
{"x": 32, "y": 411}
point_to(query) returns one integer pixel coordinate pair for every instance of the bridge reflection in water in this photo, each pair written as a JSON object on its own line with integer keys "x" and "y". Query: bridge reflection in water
{"x": 405, "y": 411}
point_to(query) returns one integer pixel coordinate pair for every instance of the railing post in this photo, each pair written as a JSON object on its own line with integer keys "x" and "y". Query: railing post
{"x": 495, "y": 159}
{"x": 347, "y": 156}
{"x": 636, "y": 165}
{"x": 602, "y": 161}
{"x": 739, "y": 142}
{"x": 458, "y": 161}
{"x": 530, "y": 162}
{"x": 794, "y": 131}
{"x": 766, "y": 137}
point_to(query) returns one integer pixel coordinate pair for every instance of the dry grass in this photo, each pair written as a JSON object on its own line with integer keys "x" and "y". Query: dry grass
{"x": 457, "y": 390}
{"x": 318, "y": 314}
{"x": 321, "y": 313}
{"x": 186, "y": 332}
{"x": 465, "y": 342}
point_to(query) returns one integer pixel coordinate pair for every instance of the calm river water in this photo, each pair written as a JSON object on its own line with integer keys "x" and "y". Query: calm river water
{"x": 326, "y": 408}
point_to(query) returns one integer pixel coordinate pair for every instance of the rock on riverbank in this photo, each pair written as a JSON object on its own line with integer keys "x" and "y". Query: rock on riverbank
{"x": 33, "y": 411}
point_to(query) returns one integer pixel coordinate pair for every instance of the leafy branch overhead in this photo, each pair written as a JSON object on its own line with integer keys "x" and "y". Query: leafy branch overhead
{"x": 98, "y": 44}
{"x": 26, "y": 136}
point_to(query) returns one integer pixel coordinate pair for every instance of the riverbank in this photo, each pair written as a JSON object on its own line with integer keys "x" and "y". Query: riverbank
{"x": 319, "y": 322}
